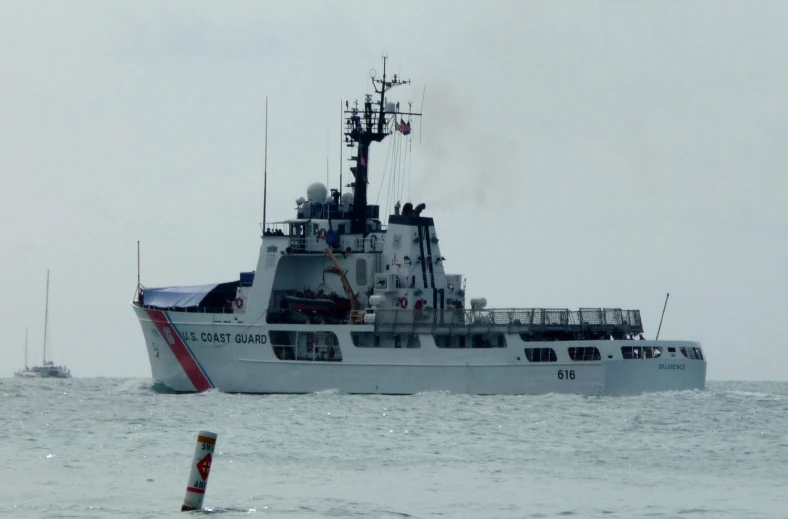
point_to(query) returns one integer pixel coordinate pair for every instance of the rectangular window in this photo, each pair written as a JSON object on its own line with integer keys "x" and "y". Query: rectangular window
{"x": 540, "y": 355}
{"x": 585, "y": 354}
{"x": 283, "y": 343}
{"x": 385, "y": 340}
{"x": 489, "y": 340}
{"x": 641, "y": 352}
{"x": 449, "y": 341}
{"x": 318, "y": 346}
{"x": 693, "y": 353}
{"x": 306, "y": 346}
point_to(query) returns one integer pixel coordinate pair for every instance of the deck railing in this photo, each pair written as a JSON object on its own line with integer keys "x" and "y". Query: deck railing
{"x": 372, "y": 243}
{"x": 519, "y": 318}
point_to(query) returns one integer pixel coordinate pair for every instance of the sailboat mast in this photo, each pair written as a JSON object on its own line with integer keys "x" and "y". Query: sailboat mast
{"x": 341, "y": 144}
{"x": 265, "y": 165}
{"x": 26, "y": 368}
{"x": 46, "y": 320}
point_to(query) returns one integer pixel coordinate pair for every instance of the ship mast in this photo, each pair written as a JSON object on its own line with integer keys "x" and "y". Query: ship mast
{"x": 26, "y": 368}
{"x": 265, "y": 164}
{"x": 46, "y": 320}
{"x": 362, "y": 129}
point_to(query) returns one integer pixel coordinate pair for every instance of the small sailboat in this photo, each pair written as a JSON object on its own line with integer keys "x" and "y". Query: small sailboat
{"x": 47, "y": 369}
{"x": 25, "y": 373}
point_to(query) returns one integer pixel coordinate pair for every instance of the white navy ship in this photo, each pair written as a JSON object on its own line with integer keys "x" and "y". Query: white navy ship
{"x": 344, "y": 298}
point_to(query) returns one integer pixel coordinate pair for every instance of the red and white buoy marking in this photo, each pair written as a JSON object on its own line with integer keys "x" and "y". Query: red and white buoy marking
{"x": 201, "y": 467}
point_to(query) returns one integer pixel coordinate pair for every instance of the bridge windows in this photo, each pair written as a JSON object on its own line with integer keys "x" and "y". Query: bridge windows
{"x": 540, "y": 355}
{"x": 584, "y": 354}
{"x": 641, "y": 352}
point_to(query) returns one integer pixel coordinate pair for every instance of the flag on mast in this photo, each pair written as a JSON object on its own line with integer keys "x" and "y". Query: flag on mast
{"x": 403, "y": 127}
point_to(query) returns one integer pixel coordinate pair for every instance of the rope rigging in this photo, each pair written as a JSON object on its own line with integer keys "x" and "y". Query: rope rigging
{"x": 397, "y": 167}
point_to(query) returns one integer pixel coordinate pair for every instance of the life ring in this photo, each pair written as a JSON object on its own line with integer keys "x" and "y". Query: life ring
{"x": 321, "y": 234}
{"x": 239, "y": 302}
{"x": 403, "y": 302}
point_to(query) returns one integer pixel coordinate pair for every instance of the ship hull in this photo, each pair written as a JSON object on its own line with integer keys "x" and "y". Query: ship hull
{"x": 199, "y": 352}
{"x": 44, "y": 374}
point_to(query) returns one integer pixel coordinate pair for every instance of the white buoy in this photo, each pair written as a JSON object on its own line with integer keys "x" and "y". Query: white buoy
{"x": 201, "y": 467}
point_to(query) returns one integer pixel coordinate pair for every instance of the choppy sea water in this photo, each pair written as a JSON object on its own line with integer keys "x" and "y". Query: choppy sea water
{"x": 116, "y": 448}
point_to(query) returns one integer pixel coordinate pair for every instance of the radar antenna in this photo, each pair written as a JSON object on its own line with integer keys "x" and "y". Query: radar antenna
{"x": 362, "y": 128}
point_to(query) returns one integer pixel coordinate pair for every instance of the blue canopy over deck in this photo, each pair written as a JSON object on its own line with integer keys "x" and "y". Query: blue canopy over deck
{"x": 177, "y": 297}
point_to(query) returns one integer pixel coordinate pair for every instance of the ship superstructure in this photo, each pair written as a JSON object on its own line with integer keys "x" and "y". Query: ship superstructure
{"x": 346, "y": 298}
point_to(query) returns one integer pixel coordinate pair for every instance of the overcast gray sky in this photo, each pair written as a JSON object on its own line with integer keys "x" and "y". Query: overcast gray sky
{"x": 574, "y": 154}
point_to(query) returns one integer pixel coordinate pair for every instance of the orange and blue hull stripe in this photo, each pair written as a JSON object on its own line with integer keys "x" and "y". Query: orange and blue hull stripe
{"x": 183, "y": 354}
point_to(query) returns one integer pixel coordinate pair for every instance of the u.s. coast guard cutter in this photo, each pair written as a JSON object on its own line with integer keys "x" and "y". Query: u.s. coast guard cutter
{"x": 341, "y": 299}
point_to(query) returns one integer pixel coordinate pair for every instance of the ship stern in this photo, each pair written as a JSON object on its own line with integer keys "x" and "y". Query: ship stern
{"x": 680, "y": 367}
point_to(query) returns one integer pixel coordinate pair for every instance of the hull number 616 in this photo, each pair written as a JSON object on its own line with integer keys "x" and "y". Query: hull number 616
{"x": 566, "y": 374}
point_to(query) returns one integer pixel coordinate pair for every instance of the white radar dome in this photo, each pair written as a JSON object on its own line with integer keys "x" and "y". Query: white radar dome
{"x": 347, "y": 198}
{"x": 300, "y": 200}
{"x": 478, "y": 303}
{"x": 316, "y": 192}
